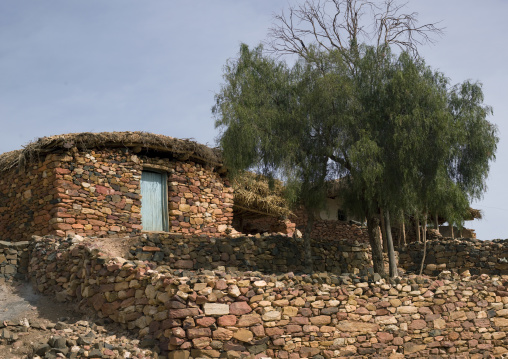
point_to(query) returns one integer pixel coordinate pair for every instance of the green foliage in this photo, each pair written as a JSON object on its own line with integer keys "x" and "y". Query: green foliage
{"x": 389, "y": 127}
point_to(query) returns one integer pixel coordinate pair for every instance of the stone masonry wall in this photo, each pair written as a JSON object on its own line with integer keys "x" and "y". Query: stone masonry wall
{"x": 13, "y": 260}
{"x": 200, "y": 200}
{"x": 27, "y": 198}
{"x": 329, "y": 229}
{"x": 217, "y": 314}
{"x": 269, "y": 254}
{"x": 478, "y": 257}
{"x": 97, "y": 193}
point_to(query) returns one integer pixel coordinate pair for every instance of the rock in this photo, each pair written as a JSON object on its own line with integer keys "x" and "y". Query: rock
{"x": 243, "y": 335}
{"x": 354, "y": 326}
{"x": 272, "y": 315}
{"x": 239, "y": 308}
{"x": 216, "y": 309}
{"x": 410, "y": 348}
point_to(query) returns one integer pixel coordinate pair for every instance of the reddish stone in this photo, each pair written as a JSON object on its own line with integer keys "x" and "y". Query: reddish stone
{"x": 258, "y": 330}
{"x": 198, "y": 332}
{"x": 239, "y": 308}
{"x": 292, "y": 328}
{"x": 300, "y": 320}
{"x": 275, "y": 331}
{"x": 398, "y": 341}
{"x": 183, "y": 313}
{"x": 227, "y": 320}
{"x": 418, "y": 324}
{"x": 205, "y": 321}
{"x": 221, "y": 284}
{"x": 384, "y": 337}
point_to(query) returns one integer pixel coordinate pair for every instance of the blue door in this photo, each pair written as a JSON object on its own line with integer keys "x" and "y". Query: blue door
{"x": 154, "y": 216}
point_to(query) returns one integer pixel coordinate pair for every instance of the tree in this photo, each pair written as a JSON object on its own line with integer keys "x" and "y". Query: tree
{"x": 389, "y": 127}
{"x": 344, "y": 25}
{"x": 282, "y": 121}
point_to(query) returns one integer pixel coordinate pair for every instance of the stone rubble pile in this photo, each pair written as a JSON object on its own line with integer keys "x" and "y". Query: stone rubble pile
{"x": 82, "y": 339}
{"x": 465, "y": 254}
{"x": 214, "y": 313}
{"x": 13, "y": 260}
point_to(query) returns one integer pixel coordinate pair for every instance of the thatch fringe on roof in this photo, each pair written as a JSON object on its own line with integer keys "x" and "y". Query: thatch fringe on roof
{"x": 139, "y": 141}
{"x": 473, "y": 214}
{"x": 254, "y": 193}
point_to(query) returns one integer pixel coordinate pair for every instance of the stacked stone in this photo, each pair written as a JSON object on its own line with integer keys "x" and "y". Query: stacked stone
{"x": 263, "y": 224}
{"x": 26, "y": 199}
{"x": 200, "y": 200}
{"x": 331, "y": 229}
{"x": 82, "y": 339}
{"x": 270, "y": 253}
{"x": 214, "y": 313}
{"x": 97, "y": 193}
{"x": 459, "y": 255}
{"x": 13, "y": 260}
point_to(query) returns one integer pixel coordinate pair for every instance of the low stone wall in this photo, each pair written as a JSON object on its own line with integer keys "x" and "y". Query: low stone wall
{"x": 219, "y": 314}
{"x": 478, "y": 257}
{"x": 269, "y": 254}
{"x": 13, "y": 260}
{"x": 331, "y": 229}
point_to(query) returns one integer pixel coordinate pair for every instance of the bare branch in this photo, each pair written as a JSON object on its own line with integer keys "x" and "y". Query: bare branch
{"x": 345, "y": 24}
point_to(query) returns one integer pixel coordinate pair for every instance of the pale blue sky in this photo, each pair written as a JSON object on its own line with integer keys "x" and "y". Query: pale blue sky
{"x": 116, "y": 65}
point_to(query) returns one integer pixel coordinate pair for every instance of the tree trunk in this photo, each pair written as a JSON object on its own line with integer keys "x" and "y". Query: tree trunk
{"x": 391, "y": 252}
{"x": 451, "y": 228}
{"x": 383, "y": 231}
{"x": 307, "y": 242}
{"x": 436, "y": 223}
{"x": 404, "y": 232}
{"x": 424, "y": 243}
{"x": 375, "y": 244}
{"x": 417, "y": 224}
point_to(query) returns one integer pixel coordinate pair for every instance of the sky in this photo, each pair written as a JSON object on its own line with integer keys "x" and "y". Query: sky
{"x": 155, "y": 65}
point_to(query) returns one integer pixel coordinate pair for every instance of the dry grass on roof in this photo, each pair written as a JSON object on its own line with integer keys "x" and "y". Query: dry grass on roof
{"x": 184, "y": 148}
{"x": 254, "y": 192}
{"x": 473, "y": 214}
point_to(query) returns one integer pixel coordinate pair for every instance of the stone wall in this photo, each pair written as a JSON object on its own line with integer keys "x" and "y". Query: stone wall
{"x": 251, "y": 224}
{"x": 13, "y": 260}
{"x": 200, "y": 200}
{"x": 269, "y": 254}
{"x": 473, "y": 255}
{"x": 97, "y": 193}
{"x": 27, "y": 199}
{"x": 216, "y": 314}
{"x": 331, "y": 229}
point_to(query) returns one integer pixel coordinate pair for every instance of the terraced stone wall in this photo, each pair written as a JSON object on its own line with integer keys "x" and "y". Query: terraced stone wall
{"x": 215, "y": 314}
{"x": 331, "y": 229}
{"x": 269, "y": 254}
{"x": 458, "y": 255}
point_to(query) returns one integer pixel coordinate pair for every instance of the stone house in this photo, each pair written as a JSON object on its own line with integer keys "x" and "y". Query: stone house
{"x": 260, "y": 207}
{"x": 113, "y": 184}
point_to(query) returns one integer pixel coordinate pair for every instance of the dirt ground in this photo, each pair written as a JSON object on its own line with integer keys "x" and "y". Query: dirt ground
{"x": 19, "y": 302}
